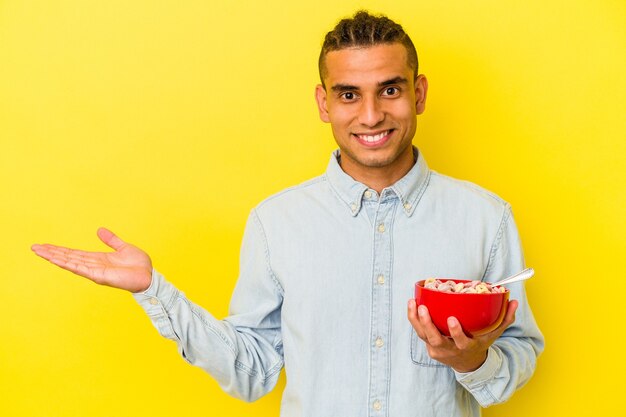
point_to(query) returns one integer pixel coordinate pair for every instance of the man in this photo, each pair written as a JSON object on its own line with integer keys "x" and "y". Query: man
{"x": 327, "y": 266}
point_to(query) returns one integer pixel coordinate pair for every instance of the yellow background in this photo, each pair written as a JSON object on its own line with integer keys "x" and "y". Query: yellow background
{"x": 168, "y": 121}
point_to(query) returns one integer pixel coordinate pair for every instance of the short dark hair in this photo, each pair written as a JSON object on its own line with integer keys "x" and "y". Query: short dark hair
{"x": 364, "y": 30}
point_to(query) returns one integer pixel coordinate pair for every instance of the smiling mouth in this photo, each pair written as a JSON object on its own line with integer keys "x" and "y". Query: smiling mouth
{"x": 373, "y": 140}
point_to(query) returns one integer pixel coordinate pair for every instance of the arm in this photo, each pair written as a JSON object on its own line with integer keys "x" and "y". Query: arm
{"x": 513, "y": 356}
{"x": 243, "y": 352}
{"x": 491, "y": 367}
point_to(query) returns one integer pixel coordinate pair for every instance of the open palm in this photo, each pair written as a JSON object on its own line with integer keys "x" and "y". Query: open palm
{"x": 127, "y": 268}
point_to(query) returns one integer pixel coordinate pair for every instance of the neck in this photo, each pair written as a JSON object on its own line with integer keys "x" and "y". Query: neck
{"x": 379, "y": 177}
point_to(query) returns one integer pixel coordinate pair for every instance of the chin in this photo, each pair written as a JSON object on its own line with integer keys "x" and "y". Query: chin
{"x": 379, "y": 162}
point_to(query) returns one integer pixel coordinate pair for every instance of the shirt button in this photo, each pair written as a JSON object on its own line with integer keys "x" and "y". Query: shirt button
{"x": 381, "y": 228}
{"x": 368, "y": 194}
{"x": 379, "y": 342}
{"x": 353, "y": 207}
{"x": 407, "y": 206}
{"x": 154, "y": 301}
{"x": 381, "y": 279}
{"x": 377, "y": 405}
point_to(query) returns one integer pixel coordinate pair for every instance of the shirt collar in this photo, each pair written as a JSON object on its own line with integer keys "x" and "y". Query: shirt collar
{"x": 409, "y": 188}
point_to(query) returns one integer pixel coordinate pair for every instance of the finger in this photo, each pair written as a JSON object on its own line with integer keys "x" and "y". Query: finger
{"x": 110, "y": 239}
{"x": 85, "y": 257}
{"x": 413, "y": 319}
{"x": 78, "y": 269}
{"x": 509, "y": 318}
{"x": 48, "y": 251}
{"x": 45, "y": 247}
{"x": 431, "y": 333}
{"x": 458, "y": 335}
{"x": 39, "y": 249}
{"x": 82, "y": 263}
{"x": 59, "y": 252}
{"x": 62, "y": 251}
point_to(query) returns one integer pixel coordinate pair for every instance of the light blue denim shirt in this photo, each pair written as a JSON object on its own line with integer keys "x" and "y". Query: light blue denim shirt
{"x": 327, "y": 268}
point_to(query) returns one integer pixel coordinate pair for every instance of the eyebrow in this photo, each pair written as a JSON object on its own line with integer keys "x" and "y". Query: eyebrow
{"x": 348, "y": 87}
{"x": 396, "y": 80}
{"x": 343, "y": 87}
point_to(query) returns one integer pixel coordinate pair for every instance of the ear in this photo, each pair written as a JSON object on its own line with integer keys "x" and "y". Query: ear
{"x": 322, "y": 105}
{"x": 421, "y": 88}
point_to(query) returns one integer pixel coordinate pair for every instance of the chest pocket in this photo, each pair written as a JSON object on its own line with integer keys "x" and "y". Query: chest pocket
{"x": 419, "y": 353}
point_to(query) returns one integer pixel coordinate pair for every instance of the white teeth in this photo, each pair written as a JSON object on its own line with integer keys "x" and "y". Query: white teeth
{"x": 375, "y": 138}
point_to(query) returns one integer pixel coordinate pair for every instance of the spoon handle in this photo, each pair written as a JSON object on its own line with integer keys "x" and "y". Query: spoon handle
{"x": 520, "y": 276}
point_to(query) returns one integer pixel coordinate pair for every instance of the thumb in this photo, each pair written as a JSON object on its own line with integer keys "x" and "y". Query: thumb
{"x": 110, "y": 239}
{"x": 510, "y": 312}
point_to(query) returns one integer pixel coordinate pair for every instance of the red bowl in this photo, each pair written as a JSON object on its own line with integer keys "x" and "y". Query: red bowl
{"x": 477, "y": 313}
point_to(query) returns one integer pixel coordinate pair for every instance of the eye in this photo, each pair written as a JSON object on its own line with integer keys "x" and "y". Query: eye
{"x": 348, "y": 96}
{"x": 391, "y": 91}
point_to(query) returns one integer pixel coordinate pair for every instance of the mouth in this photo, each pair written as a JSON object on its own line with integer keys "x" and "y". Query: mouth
{"x": 373, "y": 139}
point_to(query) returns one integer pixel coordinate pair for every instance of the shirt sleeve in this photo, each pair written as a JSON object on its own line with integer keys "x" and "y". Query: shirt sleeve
{"x": 511, "y": 360}
{"x": 243, "y": 352}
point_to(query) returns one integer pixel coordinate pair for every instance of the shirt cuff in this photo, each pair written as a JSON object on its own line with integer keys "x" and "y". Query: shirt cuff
{"x": 477, "y": 381}
{"x": 156, "y": 300}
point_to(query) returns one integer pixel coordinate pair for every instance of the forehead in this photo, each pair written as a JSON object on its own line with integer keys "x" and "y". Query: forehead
{"x": 361, "y": 66}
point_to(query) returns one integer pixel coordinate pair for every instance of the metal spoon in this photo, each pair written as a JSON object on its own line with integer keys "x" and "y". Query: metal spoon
{"x": 520, "y": 276}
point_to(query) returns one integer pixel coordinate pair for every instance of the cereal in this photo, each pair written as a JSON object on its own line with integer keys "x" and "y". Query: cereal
{"x": 469, "y": 287}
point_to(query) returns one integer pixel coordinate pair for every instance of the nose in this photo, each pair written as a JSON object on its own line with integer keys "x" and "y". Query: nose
{"x": 370, "y": 112}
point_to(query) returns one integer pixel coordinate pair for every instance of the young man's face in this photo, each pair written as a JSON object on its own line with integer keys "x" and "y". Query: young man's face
{"x": 371, "y": 101}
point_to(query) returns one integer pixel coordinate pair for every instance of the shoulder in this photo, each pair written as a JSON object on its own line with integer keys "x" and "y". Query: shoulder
{"x": 295, "y": 195}
{"x": 466, "y": 193}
